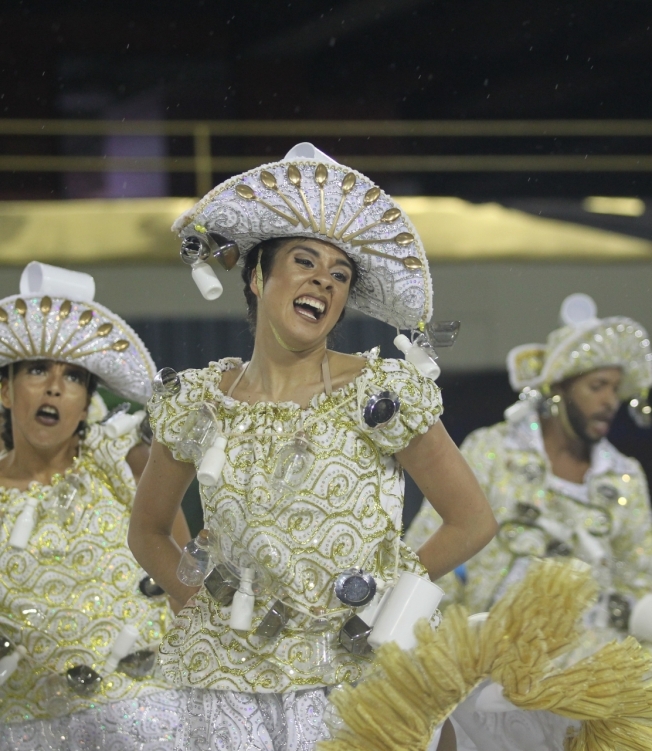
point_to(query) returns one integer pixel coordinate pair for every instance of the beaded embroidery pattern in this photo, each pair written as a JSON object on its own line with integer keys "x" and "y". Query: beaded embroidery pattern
{"x": 348, "y": 514}
{"x": 68, "y": 595}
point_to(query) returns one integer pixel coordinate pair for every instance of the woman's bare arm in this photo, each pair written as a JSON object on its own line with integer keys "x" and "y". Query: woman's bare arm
{"x": 155, "y": 522}
{"x": 446, "y": 480}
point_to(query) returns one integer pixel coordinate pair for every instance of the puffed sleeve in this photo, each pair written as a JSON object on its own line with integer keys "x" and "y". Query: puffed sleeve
{"x": 167, "y": 414}
{"x": 420, "y": 404}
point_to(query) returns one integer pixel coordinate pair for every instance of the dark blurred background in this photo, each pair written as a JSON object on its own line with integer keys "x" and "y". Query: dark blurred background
{"x": 532, "y": 106}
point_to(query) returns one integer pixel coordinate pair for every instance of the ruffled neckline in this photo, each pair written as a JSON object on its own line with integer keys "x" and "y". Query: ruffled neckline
{"x": 318, "y": 400}
{"x": 35, "y": 487}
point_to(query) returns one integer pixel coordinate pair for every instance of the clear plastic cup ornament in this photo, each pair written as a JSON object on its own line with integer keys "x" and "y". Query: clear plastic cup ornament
{"x": 442, "y": 334}
{"x": 238, "y": 555}
{"x": 293, "y": 464}
{"x": 29, "y": 614}
{"x": 138, "y": 664}
{"x": 83, "y": 680}
{"x": 195, "y": 561}
{"x": 55, "y": 695}
{"x": 166, "y": 383}
{"x": 65, "y": 493}
{"x": 319, "y": 654}
{"x": 201, "y": 442}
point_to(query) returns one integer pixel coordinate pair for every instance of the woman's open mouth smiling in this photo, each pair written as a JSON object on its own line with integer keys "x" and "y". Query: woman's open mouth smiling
{"x": 48, "y": 415}
{"x": 310, "y": 307}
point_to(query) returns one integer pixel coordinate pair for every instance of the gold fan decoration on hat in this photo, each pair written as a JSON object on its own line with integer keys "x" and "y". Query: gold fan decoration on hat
{"x": 26, "y": 344}
{"x": 319, "y": 224}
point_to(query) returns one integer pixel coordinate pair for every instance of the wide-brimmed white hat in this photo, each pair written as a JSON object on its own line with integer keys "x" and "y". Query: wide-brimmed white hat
{"x": 55, "y": 318}
{"x": 308, "y": 194}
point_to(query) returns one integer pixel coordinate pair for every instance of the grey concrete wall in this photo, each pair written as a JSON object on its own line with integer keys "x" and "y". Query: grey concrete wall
{"x": 500, "y": 304}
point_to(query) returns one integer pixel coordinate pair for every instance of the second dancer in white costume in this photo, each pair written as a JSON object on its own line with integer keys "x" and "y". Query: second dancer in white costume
{"x": 79, "y": 620}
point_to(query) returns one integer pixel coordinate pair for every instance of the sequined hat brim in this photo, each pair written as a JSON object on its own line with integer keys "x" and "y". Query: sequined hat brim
{"x": 84, "y": 334}
{"x": 575, "y": 350}
{"x": 326, "y": 201}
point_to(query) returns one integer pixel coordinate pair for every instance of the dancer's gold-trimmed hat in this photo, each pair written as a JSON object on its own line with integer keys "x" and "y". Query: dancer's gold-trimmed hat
{"x": 308, "y": 194}
{"x": 55, "y": 318}
{"x": 583, "y": 344}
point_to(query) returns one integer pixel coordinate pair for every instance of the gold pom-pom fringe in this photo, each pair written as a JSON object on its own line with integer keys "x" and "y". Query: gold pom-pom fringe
{"x": 408, "y": 694}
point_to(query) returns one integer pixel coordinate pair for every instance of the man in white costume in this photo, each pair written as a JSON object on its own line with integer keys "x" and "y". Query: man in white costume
{"x": 558, "y": 487}
{"x": 556, "y": 484}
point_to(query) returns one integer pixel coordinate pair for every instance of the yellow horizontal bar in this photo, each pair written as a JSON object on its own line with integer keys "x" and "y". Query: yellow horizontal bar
{"x": 93, "y": 231}
{"x": 336, "y": 128}
{"x": 394, "y": 163}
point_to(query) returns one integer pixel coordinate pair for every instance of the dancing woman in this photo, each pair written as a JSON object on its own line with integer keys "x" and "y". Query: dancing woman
{"x": 79, "y": 621}
{"x": 314, "y": 444}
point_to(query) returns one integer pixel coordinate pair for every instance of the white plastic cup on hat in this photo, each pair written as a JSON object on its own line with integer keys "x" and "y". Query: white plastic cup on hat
{"x": 412, "y": 598}
{"x": 206, "y": 280}
{"x": 577, "y": 309}
{"x": 42, "y": 279}
{"x": 305, "y": 150}
{"x": 640, "y": 621}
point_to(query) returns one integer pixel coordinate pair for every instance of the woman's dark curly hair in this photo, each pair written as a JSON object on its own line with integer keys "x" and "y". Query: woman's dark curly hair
{"x": 6, "y": 431}
{"x": 269, "y": 250}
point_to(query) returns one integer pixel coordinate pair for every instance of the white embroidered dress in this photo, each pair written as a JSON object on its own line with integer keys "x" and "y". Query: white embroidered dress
{"x": 347, "y": 514}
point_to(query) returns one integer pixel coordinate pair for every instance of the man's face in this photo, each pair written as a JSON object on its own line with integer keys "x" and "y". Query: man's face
{"x": 592, "y": 402}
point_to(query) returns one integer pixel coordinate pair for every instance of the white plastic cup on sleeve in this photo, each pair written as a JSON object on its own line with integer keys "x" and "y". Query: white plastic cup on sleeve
{"x": 42, "y": 279}
{"x": 206, "y": 280}
{"x": 640, "y": 621}
{"x": 123, "y": 423}
{"x": 412, "y": 598}
{"x": 212, "y": 464}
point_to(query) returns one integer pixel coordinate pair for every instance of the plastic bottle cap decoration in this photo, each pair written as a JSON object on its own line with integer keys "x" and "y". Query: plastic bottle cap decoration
{"x": 381, "y": 408}
{"x": 355, "y": 587}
